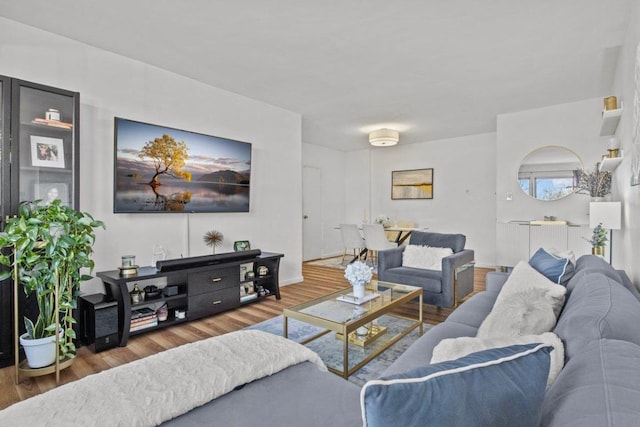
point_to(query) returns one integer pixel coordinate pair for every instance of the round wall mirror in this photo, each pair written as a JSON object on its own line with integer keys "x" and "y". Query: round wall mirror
{"x": 549, "y": 173}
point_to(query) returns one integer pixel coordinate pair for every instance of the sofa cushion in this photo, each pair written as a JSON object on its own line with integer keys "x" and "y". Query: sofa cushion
{"x": 554, "y": 267}
{"x": 454, "y": 348}
{"x": 528, "y": 312}
{"x": 597, "y": 387}
{"x": 599, "y": 307}
{"x": 302, "y": 389}
{"x": 424, "y": 257}
{"x": 524, "y": 277}
{"x": 438, "y": 240}
{"x": 496, "y": 387}
{"x": 475, "y": 310}
{"x": 429, "y": 280}
{"x": 419, "y": 353}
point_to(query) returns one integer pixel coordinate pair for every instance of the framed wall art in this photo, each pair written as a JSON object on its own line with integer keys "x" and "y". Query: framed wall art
{"x": 47, "y": 152}
{"x": 412, "y": 184}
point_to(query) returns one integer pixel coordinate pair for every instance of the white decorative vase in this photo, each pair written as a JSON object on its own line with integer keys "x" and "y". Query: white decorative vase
{"x": 358, "y": 290}
{"x": 40, "y": 352}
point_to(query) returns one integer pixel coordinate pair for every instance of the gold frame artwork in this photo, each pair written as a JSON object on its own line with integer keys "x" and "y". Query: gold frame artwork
{"x": 412, "y": 184}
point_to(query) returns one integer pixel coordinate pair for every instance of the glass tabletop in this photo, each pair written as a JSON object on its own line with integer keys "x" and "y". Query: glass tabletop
{"x": 337, "y": 308}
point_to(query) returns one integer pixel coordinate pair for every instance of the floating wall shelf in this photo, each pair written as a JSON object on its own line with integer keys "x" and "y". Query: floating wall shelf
{"x": 609, "y": 164}
{"x": 610, "y": 120}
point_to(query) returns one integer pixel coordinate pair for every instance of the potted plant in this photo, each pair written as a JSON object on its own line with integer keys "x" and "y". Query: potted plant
{"x": 48, "y": 247}
{"x": 595, "y": 183}
{"x": 598, "y": 240}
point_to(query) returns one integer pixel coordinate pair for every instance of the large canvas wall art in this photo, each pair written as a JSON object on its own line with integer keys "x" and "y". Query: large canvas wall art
{"x": 412, "y": 184}
{"x": 162, "y": 169}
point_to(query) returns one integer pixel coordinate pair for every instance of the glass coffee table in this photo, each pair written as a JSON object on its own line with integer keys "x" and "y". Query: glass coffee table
{"x": 370, "y": 327}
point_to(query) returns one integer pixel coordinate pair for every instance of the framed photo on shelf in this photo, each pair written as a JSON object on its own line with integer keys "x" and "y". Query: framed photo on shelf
{"x": 412, "y": 184}
{"x": 50, "y": 191}
{"x": 241, "y": 245}
{"x": 47, "y": 152}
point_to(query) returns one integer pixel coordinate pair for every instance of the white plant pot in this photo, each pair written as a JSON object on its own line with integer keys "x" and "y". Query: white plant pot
{"x": 40, "y": 352}
{"x": 358, "y": 291}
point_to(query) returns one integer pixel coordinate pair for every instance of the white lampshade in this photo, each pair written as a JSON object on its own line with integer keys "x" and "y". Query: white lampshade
{"x": 613, "y": 143}
{"x": 609, "y": 214}
{"x": 384, "y": 137}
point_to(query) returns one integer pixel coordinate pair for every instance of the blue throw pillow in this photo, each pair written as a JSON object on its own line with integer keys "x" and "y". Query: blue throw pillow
{"x": 557, "y": 269}
{"x": 495, "y": 387}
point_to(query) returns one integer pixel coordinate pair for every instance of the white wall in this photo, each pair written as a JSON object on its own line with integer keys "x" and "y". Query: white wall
{"x": 575, "y": 126}
{"x": 627, "y": 240}
{"x": 112, "y": 85}
{"x": 464, "y": 188}
{"x": 332, "y": 165}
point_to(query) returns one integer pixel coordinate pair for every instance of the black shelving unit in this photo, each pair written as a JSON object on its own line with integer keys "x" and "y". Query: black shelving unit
{"x": 34, "y": 117}
{"x": 202, "y": 290}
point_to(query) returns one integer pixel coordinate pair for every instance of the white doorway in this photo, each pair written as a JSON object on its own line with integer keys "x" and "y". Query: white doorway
{"x": 311, "y": 213}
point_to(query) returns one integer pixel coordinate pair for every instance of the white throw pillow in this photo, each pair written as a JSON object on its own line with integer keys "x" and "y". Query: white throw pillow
{"x": 425, "y": 257}
{"x": 524, "y": 277}
{"x": 528, "y": 312}
{"x": 455, "y": 348}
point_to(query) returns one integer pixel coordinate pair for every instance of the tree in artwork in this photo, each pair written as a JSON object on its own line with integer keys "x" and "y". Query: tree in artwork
{"x": 169, "y": 158}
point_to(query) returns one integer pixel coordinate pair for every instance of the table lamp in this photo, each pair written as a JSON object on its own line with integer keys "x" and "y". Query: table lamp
{"x": 609, "y": 214}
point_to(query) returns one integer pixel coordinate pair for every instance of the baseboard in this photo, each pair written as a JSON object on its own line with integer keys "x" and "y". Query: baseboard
{"x": 291, "y": 281}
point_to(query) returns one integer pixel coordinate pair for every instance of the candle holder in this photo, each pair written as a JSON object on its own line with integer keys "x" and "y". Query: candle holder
{"x": 128, "y": 266}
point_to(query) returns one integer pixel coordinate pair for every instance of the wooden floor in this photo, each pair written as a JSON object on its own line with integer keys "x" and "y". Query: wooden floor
{"x": 317, "y": 282}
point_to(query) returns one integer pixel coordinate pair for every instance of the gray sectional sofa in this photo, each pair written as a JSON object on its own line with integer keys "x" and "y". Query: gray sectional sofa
{"x": 599, "y": 385}
{"x": 600, "y": 328}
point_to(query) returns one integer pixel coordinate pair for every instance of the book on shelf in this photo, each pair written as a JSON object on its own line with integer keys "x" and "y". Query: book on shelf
{"x": 145, "y": 326}
{"x": 142, "y": 312}
{"x": 144, "y": 320}
{"x": 53, "y": 123}
{"x": 248, "y": 297}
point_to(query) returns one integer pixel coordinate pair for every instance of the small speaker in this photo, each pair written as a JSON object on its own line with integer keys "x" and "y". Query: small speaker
{"x": 98, "y": 321}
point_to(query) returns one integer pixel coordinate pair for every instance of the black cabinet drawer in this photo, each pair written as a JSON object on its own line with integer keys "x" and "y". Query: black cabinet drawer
{"x": 213, "y": 280}
{"x": 213, "y": 302}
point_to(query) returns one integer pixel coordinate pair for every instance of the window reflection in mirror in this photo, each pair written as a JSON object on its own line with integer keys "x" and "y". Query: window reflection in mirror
{"x": 549, "y": 173}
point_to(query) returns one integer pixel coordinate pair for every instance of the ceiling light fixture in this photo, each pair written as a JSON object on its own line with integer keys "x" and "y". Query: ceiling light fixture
{"x": 384, "y": 137}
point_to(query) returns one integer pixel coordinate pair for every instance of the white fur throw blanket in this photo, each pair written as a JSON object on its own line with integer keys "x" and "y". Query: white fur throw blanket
{"x": 155, "y": 389}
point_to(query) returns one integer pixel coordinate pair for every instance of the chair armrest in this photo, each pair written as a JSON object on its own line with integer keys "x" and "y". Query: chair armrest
{"x": 458, "y": 260}
{"x": 495, "y": 280}
{"x": 390, "y": 258}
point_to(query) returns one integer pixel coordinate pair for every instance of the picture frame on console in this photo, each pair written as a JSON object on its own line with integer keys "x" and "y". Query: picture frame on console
{"x": 241, "y": 245}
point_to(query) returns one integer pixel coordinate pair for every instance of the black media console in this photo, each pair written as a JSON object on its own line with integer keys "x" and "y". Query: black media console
{"x": 190, "y": 288}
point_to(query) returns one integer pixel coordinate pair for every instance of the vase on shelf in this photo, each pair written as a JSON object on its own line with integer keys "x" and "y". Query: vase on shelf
{"x": 597, "y": 250}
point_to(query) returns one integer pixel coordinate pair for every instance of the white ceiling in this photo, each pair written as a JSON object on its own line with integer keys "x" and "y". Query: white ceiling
{"x": 430, "y": 69}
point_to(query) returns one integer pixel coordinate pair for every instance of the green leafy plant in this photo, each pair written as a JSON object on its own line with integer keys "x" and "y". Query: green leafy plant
{"x": 599, "y": 237}
{"x": 49, "y": 244}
